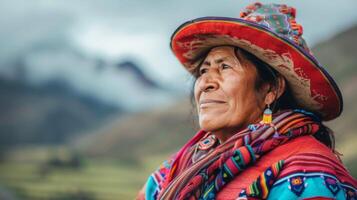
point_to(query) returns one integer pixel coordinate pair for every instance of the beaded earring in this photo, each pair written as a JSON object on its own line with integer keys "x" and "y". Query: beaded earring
{"x": 267, "y": 115}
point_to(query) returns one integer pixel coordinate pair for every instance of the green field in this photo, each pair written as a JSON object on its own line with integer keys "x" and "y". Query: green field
{"x": 95, "y": 179}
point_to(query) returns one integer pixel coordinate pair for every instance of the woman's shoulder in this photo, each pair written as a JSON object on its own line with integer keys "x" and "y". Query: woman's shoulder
{"x": 304, "y": 144}
{"x": 153, "y": 184}
{"x": 312, "y": 170}
{"x": 308, "y": 166}
{"x": 307, "y": 154}
{"x": 304, "y": 153}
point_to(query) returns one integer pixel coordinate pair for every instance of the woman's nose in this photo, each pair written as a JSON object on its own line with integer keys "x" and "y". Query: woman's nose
{"x": 210, "y": 82}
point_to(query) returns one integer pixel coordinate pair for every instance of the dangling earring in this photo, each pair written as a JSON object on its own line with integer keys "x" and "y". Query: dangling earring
{"x": 267, "y": 115}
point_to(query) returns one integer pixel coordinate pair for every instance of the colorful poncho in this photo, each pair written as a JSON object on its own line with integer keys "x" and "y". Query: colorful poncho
{"x": 277, "y": 161}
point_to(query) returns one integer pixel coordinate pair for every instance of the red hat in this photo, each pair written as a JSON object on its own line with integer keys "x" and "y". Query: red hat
{"x": 271, "y": 33}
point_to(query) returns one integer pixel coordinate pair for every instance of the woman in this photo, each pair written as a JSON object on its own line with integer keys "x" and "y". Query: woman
{"x": 261, "y": 98}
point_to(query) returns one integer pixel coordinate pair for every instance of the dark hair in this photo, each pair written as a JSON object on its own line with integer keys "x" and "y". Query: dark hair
{"x": 267, "y": 74}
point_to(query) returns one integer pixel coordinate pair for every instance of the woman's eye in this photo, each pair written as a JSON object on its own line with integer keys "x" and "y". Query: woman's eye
{"x": 225, "y": 66}
{"x": 203, "y": 70}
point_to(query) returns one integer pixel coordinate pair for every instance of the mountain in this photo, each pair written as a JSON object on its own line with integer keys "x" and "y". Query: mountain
{"x": 123, "y": 83}
{"x": 166, "y": 129}
{"x": 49, "y": 113}
{"x": 51, "y": 92}
{"x": 139, "y": 74}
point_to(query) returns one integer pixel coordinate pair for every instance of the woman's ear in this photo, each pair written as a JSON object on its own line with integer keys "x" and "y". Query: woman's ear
{"x": 275, "y": 91}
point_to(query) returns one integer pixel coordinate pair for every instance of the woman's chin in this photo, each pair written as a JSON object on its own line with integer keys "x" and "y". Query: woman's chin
{"x": 209, "y": 125}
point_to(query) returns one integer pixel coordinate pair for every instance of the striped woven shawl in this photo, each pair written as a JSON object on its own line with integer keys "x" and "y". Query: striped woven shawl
{"x": 206, "y": 177}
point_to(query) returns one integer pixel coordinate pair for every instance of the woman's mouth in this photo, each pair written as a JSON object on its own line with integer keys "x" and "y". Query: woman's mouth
{"x": 209, "y": 102}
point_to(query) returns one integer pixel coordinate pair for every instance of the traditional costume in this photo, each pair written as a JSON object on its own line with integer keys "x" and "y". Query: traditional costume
{"x": 277, "y": 160}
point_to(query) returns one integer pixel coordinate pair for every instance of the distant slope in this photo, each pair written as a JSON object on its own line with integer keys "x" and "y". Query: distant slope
{"x": 167, "y": 129}
{"x": 339, "y": 56}
{"x": 46, "y": 114}
{"x": 160, "y": 131}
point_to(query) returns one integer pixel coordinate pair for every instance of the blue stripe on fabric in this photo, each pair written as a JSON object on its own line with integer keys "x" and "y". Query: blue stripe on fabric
{"x": 227, "y": 170}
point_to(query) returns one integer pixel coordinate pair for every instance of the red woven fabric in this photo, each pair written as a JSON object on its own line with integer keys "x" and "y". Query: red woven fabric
{"x": 300, "y": 154}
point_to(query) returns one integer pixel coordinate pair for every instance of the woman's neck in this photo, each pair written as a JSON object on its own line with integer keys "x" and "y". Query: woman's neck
{"x": 224, "y": 134}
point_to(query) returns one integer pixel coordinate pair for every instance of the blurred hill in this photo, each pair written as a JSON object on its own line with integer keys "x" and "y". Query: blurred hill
{"x": 43, "y": 104}
{"x": 338, "y": 55}
{"x": 134, "y": 136}
{"x": 47, "y": 113}
{"x": 166, "y": 129}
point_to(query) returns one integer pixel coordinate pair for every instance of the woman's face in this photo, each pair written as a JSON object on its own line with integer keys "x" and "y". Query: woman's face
{"x": 225, "y": 92}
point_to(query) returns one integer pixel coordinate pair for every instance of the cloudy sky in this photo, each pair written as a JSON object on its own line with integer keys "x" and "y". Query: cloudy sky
{"x": 114, "y": 29}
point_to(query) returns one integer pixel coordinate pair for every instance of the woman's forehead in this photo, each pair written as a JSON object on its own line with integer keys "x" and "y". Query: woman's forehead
{"x": 220, "y": 53}
{"x": 221, "y": 49}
